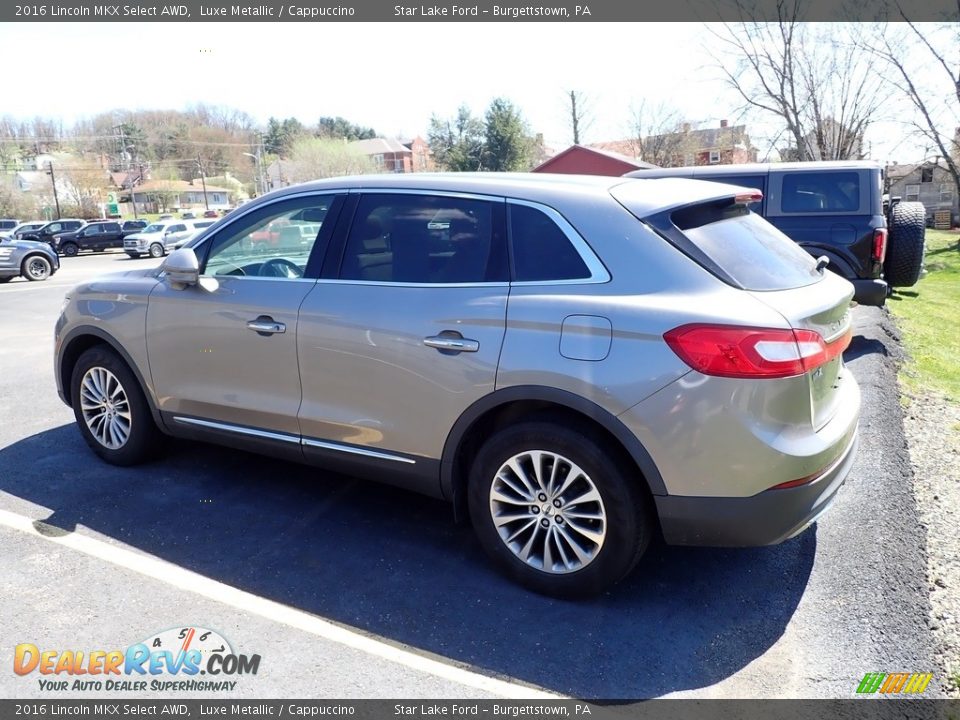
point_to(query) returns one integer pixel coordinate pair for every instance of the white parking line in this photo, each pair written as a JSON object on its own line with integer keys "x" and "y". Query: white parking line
{"x": 178, "y": 577}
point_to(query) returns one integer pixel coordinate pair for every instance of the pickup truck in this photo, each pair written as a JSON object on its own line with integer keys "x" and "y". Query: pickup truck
{"x": 96, "y": 236}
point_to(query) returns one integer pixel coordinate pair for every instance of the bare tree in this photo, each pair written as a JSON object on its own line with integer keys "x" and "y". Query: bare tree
{"x": 815, "y": 79}
{"x": 312, "y": 158}
{"x": 916, "y": 64}
{"x": 581, "y": 118}
{"x": 659, "y": 135}
{"x": 86, "y": 184}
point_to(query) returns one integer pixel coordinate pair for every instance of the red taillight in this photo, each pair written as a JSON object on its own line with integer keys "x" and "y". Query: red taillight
{"x": 748, "y": 197}
{"x": 745, "y": 352}
{"x": 879, "y": 244}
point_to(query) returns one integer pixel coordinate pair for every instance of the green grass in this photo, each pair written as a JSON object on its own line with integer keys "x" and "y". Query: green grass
{"x": 929, "y": 316}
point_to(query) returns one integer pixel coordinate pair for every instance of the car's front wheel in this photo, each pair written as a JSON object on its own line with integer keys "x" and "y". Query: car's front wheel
{"x": 556, "y": 511}
{"x": 156, "y": 250}
{"x": 36, "y": 267}
{"x": 111, "y": 409}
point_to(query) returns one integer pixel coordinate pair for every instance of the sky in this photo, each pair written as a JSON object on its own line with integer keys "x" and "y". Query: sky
{"x": 389, "y": 76}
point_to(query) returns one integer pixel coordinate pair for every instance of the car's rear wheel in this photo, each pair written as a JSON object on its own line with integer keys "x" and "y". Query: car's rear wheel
{"x": 555, "y": 511}
{"x": 156, "y": 250}
{"x": 111, "y": 409}
{"x": 904, "y": 261}
{"x": 69, "y": 249}
{"x": 36, "y": 267}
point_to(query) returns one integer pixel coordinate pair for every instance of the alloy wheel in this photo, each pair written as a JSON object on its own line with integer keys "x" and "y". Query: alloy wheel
{"x": 548, "y": 512}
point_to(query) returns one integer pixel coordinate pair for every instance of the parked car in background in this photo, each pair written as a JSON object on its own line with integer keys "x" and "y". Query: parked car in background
{"x": 132, "y": 226}
{"x": 166, "y": 216}
{"x": 157, "y": 238}
{"x": 45, "y": 233}
{"x": 576, "y": 363}
{"x": 187, "y": 215}
{"x": 21, "y": 229}
{"x": 211, "y": 214}
{"x": 834, "y": 210}
{"x": 26, "y": 258}
{"x": 198, "y": 226}
{"x": 8, "y": 224}
{"x": 96, "y": 236}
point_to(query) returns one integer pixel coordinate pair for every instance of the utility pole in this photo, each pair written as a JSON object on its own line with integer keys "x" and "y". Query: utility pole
{"x": 53, "y": 181}
{"x": 203, "y": 181}
{"x": 133, "y": 189}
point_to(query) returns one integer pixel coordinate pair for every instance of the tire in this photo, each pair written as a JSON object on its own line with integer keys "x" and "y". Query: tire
{"x": 904, "y": 261}
{"x": 541, "y": 532}
{"x": 156, "y": 250}
{"x": 111, "y": 409}
{"x": 69, "y": 249}
{"x": 36, "y": 267}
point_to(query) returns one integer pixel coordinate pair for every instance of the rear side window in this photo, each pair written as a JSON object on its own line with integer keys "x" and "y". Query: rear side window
{"x": 401, "y": 238}
{"x": 753, "y": 252}
{"x": 821, "y": 192}
{"x": 542, "y": 252}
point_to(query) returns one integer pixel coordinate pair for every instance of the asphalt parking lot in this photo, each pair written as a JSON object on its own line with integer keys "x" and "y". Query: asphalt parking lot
{"x": 352, "y": 590}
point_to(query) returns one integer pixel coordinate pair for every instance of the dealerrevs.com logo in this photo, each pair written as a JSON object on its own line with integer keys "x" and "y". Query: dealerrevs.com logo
{"x": 167, "y": 661}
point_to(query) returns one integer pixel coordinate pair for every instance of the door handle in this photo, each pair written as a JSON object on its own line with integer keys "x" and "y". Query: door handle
{"x": 266, "y": 326}
{"x": 450, "y": 343}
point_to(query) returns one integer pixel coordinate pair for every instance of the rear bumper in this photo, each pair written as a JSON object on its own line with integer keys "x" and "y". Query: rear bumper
{"x": 870, "y": 292}
{"x": 767, "y": 518}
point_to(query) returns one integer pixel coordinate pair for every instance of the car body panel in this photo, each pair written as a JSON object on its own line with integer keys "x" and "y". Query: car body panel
{"x": 368, "y": 377}
{"x": 207, "y": 363}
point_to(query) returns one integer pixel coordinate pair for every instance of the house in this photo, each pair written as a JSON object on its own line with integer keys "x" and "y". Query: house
{"x": 586, "y": 160}
{"x": 926, "y": 182}
{"x": 279, "y": 174}
{"x": 387, "y": 154}
{"x": 421, "y": 157}
{"x": 165, "y": 195}
{"x": 723, "y": 145}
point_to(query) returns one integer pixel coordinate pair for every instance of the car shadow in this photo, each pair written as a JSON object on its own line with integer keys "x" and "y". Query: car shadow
{"x": 861, "y": 346}
{"x": 394, "y": 564}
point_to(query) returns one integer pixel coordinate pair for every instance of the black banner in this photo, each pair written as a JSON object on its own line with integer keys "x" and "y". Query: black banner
{"x": 467, "y": 11}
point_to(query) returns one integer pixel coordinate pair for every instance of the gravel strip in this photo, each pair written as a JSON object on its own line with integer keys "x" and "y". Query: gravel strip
{"x": 931, "y": 425}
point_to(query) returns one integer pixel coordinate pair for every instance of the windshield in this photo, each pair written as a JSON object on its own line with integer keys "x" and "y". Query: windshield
{"x": 156, "y": 227}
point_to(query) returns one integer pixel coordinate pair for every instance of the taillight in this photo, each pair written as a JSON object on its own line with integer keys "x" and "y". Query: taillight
{"x": 744, "y": 352}
{"x": 879, "y": 245}
{"x": 748, "y": 197}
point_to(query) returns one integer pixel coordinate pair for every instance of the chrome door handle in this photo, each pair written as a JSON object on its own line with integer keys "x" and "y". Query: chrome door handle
{"x": 451, "y": 344}
{"x": 266, "y": 327}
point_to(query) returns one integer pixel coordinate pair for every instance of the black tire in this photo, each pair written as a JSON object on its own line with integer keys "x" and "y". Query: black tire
{"x": 156, "y": 250}
{"x": 627, "y": 523}
{"x": 143, "y": 438}
{"x": 904, "y": 261}
{"x": 69, "y": 249}
{"x": 35, "y": 268}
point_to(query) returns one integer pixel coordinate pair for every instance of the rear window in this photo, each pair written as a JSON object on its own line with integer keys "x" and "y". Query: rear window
{"x": 817, "y": 192}
{"x": 754, "y": 253}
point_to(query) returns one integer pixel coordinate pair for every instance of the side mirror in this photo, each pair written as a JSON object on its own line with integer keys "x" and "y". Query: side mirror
{"x": 181, "y": 268}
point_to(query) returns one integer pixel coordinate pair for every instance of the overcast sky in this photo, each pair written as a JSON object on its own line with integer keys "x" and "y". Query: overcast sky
{"x": 389, "y": 76}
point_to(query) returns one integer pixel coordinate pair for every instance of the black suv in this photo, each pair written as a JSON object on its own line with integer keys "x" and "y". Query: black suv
{"x": 132, "y": 226}
{"x": 96, "y": 236}
{"x": 832, "y": 209}
{"x": 55, "y": 227}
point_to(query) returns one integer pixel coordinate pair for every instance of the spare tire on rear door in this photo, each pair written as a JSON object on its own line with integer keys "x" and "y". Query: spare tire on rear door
{"x": 905, "y": 249}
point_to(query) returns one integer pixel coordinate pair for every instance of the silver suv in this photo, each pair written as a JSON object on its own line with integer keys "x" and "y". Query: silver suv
{"x": 577, "y": 363}
{"x": 157, "y": 238}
